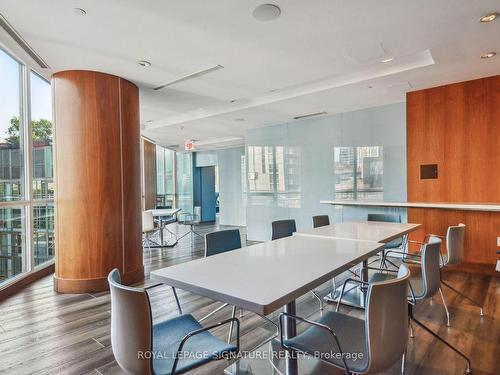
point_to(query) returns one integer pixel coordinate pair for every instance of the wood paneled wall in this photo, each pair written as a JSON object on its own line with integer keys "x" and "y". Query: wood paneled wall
{"x": 148, "y": 174}
{"x": 97, "y": 180}
{"x": 457, "y": 126}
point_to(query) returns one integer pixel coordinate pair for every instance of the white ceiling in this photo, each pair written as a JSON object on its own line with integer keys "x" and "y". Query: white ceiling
{"x": 319, "y": 55}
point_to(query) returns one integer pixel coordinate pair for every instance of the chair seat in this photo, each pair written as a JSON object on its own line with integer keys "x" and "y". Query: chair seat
{"x": 350, "y": 332}
{"x": 394, "y": 244}
{"x": 198, "y": 349}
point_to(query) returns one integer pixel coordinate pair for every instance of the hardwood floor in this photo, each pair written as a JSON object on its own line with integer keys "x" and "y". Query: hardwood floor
{"x": 43, "y": 332}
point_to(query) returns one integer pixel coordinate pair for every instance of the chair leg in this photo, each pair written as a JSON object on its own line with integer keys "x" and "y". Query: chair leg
{"x": 410, "y": 327}
{"x": 334, "y": 287}
{"x": 464, "y": 296}
{"x": 213, "y": 312}
{"x": 233, "y": 315}
{"x": 403, "y": 363}
{"x": 382, "y": 261}
{"x": 435, "y": 335}
{"x": 149, "y": 247}
{"x": 445, "y": 308}
{"x": 319, "y": 300}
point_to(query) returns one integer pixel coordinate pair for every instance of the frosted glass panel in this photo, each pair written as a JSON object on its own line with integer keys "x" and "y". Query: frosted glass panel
{"x": 232, "y": 186}
{"x": 184, "y": 181}
{"x": 292, "y": 167}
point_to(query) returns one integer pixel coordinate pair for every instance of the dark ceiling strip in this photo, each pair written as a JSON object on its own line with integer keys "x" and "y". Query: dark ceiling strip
{"x": 22, "y": 43}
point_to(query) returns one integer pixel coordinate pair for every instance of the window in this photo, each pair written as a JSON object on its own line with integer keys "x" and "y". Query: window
{"x": 41, "y": 135}
{"x": 165, "y": 184}
{"x": 274, "y": 175}
{"x": 43, "y": 241}
{"x": 359, "y": 172}
{"x": 26, "y": 215}
{"x": 11, "y": 130}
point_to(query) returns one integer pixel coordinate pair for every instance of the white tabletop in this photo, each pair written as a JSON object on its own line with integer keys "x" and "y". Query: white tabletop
{"x": 494, "y": 207}
{"x": 264, "y": 277}
{"x": 362, "y": 230}
{"x": 164, "y": 211}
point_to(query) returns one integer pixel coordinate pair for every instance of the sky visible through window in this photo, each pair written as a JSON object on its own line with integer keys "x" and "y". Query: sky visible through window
{"x": 10, "y": 91}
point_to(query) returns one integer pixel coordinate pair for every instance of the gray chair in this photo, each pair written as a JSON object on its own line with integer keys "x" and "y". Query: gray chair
{"x": 455, "y": 255}
{"x": 398, "y": 243}
{"x": 286, "y": 228}
{"x": 222, "y": 241}
{"x": 148, "y": 229}
{"x": 321, "y": 221}
{"x": 191, "y": 220}
{"x": 381, "y": 337}
{"x": 283, "y": 228}
{"x": 217, "y": 243}
{"x": 134, "y": 336}
{"x": 425, "y": 287}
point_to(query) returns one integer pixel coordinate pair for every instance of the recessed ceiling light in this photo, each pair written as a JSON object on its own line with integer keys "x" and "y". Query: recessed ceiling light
{"x": 489, "y": 17}
{"x": 389, "y": 59}
{"x": 266, "y": 12}
{"x": 144, "y": 63}
{"x": 80, "y": 11}
{"x": 488, "y": 55}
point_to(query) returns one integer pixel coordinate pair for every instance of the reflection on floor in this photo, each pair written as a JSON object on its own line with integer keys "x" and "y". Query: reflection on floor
{"x": 42, "y": 332}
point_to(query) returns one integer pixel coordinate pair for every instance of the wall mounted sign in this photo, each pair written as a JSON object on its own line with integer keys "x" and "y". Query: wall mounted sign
{"x": 189, "y": 145}
{"x": 428, "y": 171}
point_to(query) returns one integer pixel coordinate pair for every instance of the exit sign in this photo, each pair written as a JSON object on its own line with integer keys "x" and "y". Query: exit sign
{"x": 189, "y": 145}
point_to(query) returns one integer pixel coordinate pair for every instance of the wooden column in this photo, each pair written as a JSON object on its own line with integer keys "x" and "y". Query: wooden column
{"x": 97, "y": 180}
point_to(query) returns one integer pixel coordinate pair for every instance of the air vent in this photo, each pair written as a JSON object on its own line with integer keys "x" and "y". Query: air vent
{"x": 190, "y": 76}
{"x": 22, "y": 43}
{"x": 309, "y": 115}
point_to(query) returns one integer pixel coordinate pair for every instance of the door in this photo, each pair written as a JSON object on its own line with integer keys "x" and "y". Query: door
{"x": 208, "y": 199}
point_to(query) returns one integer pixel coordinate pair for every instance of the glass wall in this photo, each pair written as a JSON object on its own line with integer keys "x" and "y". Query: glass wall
{"x": 354, "y": 155}
{"x": 165, "y": 179}
{"x": 184, "y": 181}
{"x": 26, "y": 215}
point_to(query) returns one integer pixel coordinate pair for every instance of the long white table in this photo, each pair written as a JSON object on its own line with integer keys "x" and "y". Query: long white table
{"x": 264, "y": 277}
{"x": 378, "y": 231}
{"x": 362, "y": 230}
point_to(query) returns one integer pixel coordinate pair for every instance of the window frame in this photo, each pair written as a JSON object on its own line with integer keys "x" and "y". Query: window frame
{"x": 28, "y": 203}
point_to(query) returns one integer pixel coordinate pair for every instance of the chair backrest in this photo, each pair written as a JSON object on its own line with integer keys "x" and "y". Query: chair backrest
{"x": 386, "y": 321}
{"x": 131, "y": 326}
{"x": 431, "y": 268}
{"x": 222, "y": 241}
{"x": 283, "y": 228}
{"x": 455, "y": 244}
{"x": 388, "y": 218}
{"x": 320, "y": 221}
{"x": 148, "y": 223}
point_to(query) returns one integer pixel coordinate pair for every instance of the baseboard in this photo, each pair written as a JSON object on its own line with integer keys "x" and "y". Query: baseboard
{"x": 475, "y": 268}
{"x": 22, "y": 282}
